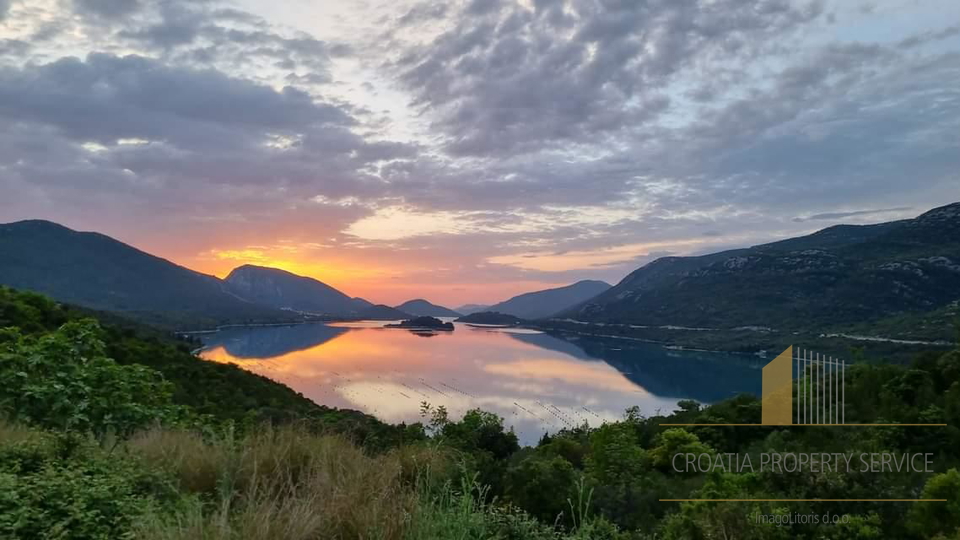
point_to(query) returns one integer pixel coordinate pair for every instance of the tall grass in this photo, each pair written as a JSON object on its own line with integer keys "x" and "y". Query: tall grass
{"x": 11, "y": 433}
{"x": 286, "y": 483}
{"x": 291, "y": 484}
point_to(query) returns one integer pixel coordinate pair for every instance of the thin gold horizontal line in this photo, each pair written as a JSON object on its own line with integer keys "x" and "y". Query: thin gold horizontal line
{"x": 803, "y": 500}
{"x": 811, "y": 425}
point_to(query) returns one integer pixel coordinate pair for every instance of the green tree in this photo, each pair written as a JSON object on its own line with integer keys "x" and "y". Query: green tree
{"x": 853, "y": 527}
{"x": 617, "y": 465}
{"x": 63, "y": 381}
{"x": 480, "y": 430}
{"x": 930, "y": 519}
{"x": 702, "y": 520}
{"x": 542, "y": 485}
{"x": 676, "y": 441}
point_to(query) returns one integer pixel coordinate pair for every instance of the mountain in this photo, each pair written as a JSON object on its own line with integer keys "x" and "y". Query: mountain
{"x": 541, "y": 304}
{"x": 490, "y": 317}
{"x": 381, "y": 312}
{"x": 362, "y": 303}
{"x": 283, "y": 290}
{"x": 98, "y": 272}
{"x": 467, "y": 309}
{"x": 846, "y": 274}
{"x": 422, "y": 308}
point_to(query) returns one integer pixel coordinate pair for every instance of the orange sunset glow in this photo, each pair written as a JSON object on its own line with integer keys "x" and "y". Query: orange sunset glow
{"x": 385, "y": 281}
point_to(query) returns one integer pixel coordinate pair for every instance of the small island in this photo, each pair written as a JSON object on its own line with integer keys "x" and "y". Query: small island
{"x": 490, "y": 319}
{"x": 423, "y": 323}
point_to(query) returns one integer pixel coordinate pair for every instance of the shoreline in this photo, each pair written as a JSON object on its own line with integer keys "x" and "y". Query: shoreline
{"x": 747, "y": 340}
{"x": 256, "y": 325}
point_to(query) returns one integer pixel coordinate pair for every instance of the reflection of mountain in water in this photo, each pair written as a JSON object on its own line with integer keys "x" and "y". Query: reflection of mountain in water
{"x": 272, "y": 341}
{"x": 552, "y": 343}
{"x": 701, "y": 376}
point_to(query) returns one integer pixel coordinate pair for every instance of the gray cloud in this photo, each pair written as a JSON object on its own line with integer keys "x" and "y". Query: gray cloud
{"x": 423, "y": 12}
{"x": 106, "y": 98}
{"x": 928, "y": 37}
{"x": 168, "y": 137}
{"x": 107, "y": 9}
{"x": 179, "y": 24}
{"x": 509, "y": 80}
{"x": 13, "y": 48}
{"x": 4, "y": 8}
{"x": 513, "y": 89}
{"x": 205, "y": 33}
{"x": 851, "y": 132}
{"x": 831, "y": 216}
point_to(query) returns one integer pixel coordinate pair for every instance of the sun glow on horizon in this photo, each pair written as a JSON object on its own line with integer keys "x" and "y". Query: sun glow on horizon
{"x": 337, "y": 272}
{"x": 375, "y": 279}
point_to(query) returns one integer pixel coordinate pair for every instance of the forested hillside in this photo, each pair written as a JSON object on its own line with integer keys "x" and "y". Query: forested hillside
{"x": 841, "y": 276}
{"x": 214, "y": 391}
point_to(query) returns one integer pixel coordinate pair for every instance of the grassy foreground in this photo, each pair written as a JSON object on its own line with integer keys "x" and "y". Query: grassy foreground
{"x": 274, "y": 483}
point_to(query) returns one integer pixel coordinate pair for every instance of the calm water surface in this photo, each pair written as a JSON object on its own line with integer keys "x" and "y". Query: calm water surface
{"x": 535, "y": 381}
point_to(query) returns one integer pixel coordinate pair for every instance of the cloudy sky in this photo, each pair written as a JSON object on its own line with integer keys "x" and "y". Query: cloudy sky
{"x": 465, "y": 151}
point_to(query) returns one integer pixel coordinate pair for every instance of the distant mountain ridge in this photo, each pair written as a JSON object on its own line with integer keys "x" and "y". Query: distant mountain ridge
{"x": 285, "y": 290}
{"x": 548, "y": 302}
{"x": 382, "y": 312}
{"x": 95, "y": 271}
{"x": 423, "y": 308}
{"x": 468, "y": 309}
{"x": 490, "y": 318}
{"x": 840, "y": 275}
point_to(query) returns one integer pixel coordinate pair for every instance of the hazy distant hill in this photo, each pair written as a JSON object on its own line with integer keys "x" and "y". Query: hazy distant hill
{"x": 467, "y": 309}
{"x": 281, "y": 289}
{"x": 840, "y": 275}
{"x": 96, "y": 271}
{"x": 422, "y": 308}
{"x": 540, "y": 304}
{"x": 381, "y": 312}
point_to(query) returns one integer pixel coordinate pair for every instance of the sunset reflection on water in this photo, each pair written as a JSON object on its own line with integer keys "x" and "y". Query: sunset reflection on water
{"x": 536, "y": 382}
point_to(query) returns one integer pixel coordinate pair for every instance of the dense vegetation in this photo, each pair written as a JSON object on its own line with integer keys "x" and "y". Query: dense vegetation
{"x": 932, "y": 333}
{"x": 213, "y": 392}
{"x": 840, "y": 276}
{"x": 100, "y": 440}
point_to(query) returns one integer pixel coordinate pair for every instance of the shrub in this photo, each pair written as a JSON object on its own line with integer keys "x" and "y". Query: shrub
{"x": 63, "y": 381}
{"x": 49, "y": 489}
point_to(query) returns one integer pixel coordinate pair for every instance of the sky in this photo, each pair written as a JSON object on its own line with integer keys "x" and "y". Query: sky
{"x": 466, "y": 151}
